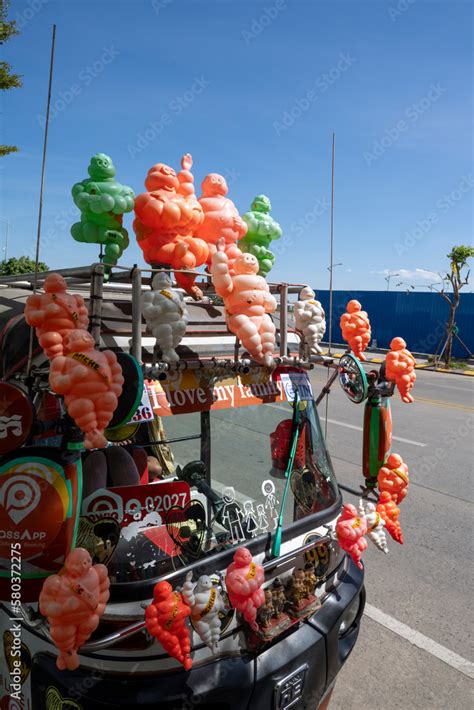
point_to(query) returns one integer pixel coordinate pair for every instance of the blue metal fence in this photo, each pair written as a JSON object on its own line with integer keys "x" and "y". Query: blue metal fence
{"x": 420, "y": 318}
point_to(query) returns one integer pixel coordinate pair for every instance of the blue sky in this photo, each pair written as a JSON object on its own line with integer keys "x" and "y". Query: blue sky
{"x": 254, "y": 91}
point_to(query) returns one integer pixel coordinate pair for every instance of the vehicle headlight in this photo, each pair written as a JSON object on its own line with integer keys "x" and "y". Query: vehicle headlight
{"x": 349, "y": 616}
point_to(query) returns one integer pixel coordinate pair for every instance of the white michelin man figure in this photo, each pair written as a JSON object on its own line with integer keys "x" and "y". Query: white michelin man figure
{"x": 310, "y": 320}
{"x": 375, "y": 526}
{"x": 206, "y": 602}
{"x": 166, "y": 315}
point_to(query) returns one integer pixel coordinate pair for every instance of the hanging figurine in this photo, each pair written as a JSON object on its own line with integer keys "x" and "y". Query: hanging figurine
{"x": 389, "y": 512}
{"x": 91, "y": 382}
{"x": 393, "y": 478}
{"x": 350, "y": 531}
{"x": 103, "y": 201}
{"x": 400, "y": 368}
{"x": 221, "y": 218}
{"x": 243, "y": 580}
{"x": 165, "y": 619}
{"x": 375, "y": 525}
{"x": 74, "y": 600}
{"x": 55, "y": 314}
{"x": 166, "y": 217}
{"x": 166, "y": 315}
{"x": 206, "y": 602}
{"x": 262, "y": 230}
{"x": 355, "y": 327}
{"x": 247, "y": 301}
{"x": 310, "y": 320}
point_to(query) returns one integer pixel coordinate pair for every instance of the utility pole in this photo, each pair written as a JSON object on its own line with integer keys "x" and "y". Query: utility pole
{"x": 331, "y": 242}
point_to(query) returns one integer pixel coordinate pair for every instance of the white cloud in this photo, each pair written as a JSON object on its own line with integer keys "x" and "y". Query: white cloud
{"x": 412, "y": 274}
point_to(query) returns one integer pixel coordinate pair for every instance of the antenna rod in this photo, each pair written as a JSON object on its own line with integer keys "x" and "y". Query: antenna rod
{"x": 40, "y": 210}
{"x": 331, "y": 243}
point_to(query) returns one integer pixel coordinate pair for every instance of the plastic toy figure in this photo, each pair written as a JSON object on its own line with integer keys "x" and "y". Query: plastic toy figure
{"x": 221, "y": 218}
{"x": 247, "y": 301}
{"x": 355, "y": 327}
{"x": 310, "y": 320}
{"x": 389, "y": 512}
{"x": 262, "y": 230}
{"x": 297, "y": 588}
{"x": 400, "y": 368}
{"x": 103, "y": 202}
{"x": 278, "y": 598}
{"x": 393, "y": 478}
{"x": 243, "y": 580}
{"x": 55, "y": 314}
{"x": 350, "y": 530}
{"x": 74, "y": 600}
{"x": 166, "y": 620}
{"x": 375, "y": 526}
{"x": 266, "y": 611}
{"x": 166, "y": 217}
{"x": 206, "y": 602}
{"x": 91, "y": 382}
{"x": 166, "y": 315}
{"x": 310, "y": 579}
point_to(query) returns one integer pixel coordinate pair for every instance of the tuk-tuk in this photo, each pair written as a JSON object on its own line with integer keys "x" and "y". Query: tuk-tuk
{"x": 197, "y": 467}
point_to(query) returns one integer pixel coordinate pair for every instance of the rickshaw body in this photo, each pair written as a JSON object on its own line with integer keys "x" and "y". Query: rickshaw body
{"x": 232, "y": 418}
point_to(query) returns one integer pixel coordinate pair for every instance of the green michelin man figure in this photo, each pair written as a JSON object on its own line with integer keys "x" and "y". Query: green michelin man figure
{"x": 262, "y": 230}
{"x": 103, "y": 202}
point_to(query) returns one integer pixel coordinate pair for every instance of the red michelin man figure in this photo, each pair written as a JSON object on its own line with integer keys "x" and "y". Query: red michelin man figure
{"x": 166, "y": 621}
{"x": 243, "y": 580}
{"x": 355, "y": 327}
{"x": 400, "y": 368}
{"x": 389, "y": 511}
{"x": 54, "y": 314}
{"x": 350, "y": 530}
{"x": 393, "y": 478}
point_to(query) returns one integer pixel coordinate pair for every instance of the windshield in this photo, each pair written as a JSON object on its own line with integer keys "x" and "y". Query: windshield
{"x": 227, "y": 486}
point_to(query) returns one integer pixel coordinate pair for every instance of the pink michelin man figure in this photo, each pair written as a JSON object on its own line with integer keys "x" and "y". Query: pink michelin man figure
{"x": 247, "y": 301}
{"x": 243, "y": 580}
{"x": 54, "y": 314}
{"x": 74, "y": 600}
{"x": 221, "y": 218}
{"x": 91, "y": 382}
{"x": 350, "y": 530}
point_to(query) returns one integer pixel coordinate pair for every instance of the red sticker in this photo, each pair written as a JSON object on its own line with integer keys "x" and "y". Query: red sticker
{"x": 16, "y": 417}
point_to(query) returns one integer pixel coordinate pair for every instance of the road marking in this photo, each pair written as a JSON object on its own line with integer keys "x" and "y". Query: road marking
{"x": 421, "y": 641}
{"x": 447, "y": 387}
{"x": 359, "y": 428}
{"x": 444, "y": 404}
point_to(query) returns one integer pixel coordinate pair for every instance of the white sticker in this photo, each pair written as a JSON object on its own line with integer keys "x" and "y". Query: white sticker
{"x": 144, "y": 412}
{"x": 290, "y": 380}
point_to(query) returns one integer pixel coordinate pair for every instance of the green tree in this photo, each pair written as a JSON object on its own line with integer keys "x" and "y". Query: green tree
{"x": 8, "y": 80}
{"x": 22, "y": 265}
{"x": 458, "y": 257}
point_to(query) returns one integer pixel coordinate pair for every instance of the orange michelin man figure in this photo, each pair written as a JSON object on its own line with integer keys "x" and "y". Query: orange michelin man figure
{"x": 389, "y": 512}
{"x": 91, "y": 382}
{"x": 166, "y": 217}
{"x": 355, "y": 327}
{"x": 243, "y": 580}
{"x": 247, "y": 301}
{"x": 393, "y": 478}
{"x": 400, "y": 368}
{"x": 74, "y": 600}
{"x": 54, "y": 314}
{"x": 221, "y": 218}
{"x": 350, "y": 530}
{"x": 166, "y": 621}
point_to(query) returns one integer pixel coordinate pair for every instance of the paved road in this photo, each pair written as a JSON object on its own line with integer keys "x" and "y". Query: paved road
{"x": 426, "y": 584}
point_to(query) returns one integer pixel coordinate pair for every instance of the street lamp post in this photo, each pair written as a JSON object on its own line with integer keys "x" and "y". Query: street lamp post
{"x": 5, "y": 248}
{"x": 387, "y": 279}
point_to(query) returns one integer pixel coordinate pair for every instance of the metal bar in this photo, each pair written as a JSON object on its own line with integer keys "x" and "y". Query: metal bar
{"x": 206, "y": 453}
{"x": 359, "y": 493}
{"x": 327, "y": 387}
{"x": 283, "y": 318}
{"x": 117, "y": 636}
{"x": 191, "y": 437}
{"x": 96, "y": 296}
{"x": 136, "y": 348}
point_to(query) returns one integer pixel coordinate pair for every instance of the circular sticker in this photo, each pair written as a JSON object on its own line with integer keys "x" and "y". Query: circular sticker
{"x": 16, "y": 417}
